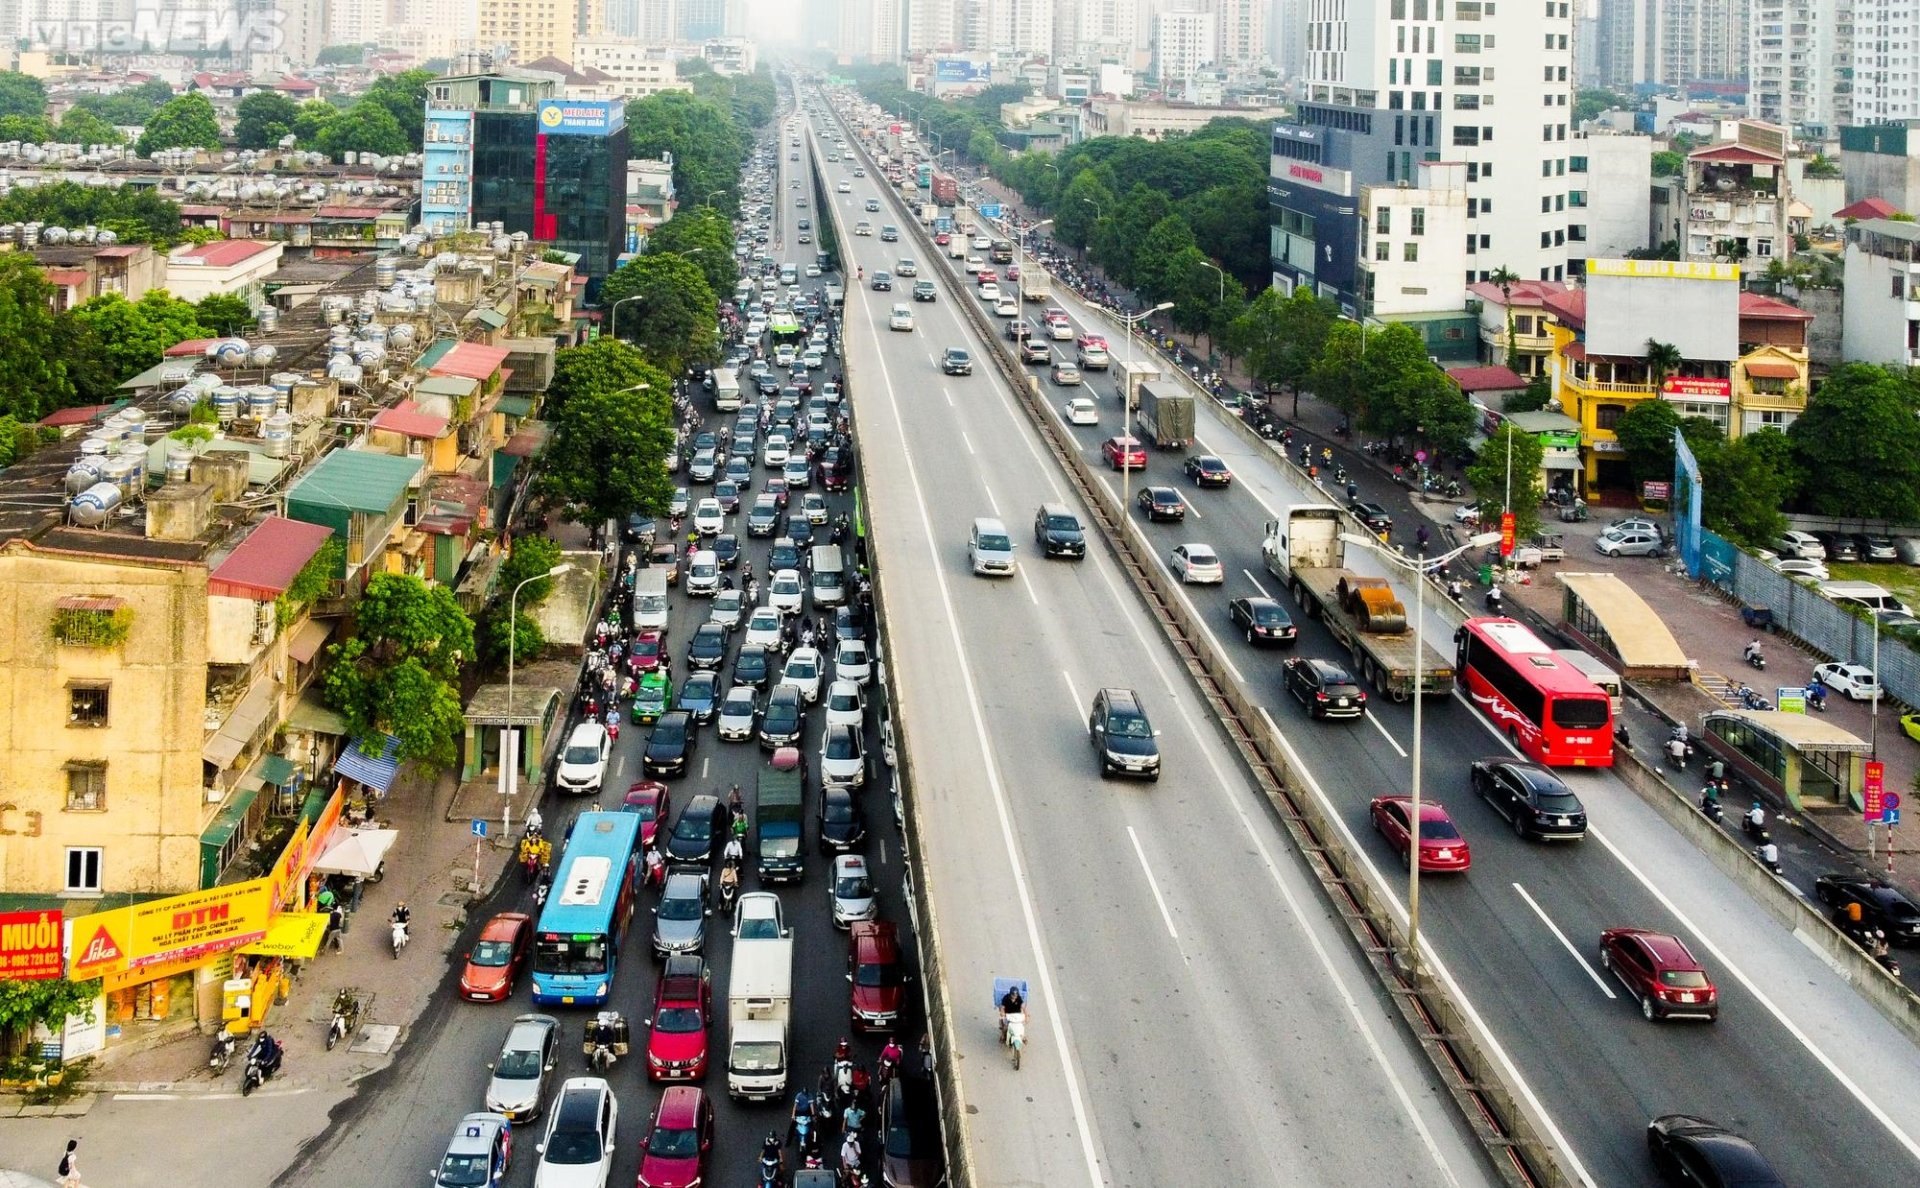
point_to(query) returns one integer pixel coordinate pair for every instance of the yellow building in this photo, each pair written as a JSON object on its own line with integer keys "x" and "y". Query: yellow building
{"x": 1743, "y": 357}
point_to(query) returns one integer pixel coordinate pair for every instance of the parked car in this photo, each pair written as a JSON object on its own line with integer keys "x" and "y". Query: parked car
{"x": 1852, "y": 680}
{"x": 1839, "y": 546}
{"x": 1630, "y": 544}
{"x": 1882, "y": 905}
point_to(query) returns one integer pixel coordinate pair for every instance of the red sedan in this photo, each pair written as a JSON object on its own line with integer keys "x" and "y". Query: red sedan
{"x": 677, "y": 1035}
{"x": 675, "y": 1152}
{"x": 647, "y": 650}
{"x": 1124, "y": 453}
{"x": 1441, "y": 846}
{"x": 943, "y": 239}
{"x": 653, "y": 803}
{"x": 497, "y": 957}
{"x": 1661, "y": 972}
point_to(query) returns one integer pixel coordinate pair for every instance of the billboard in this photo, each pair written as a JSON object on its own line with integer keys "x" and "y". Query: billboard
{"x": 168, "y": 932}
{"x": 961, "y": 72}
{"x": 581, "y": 117}
{"x": 1693, "y": 306}
{"x": 29, "y": 946}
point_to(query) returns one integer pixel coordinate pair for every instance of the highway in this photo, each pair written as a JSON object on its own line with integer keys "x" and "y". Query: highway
{"x": 1797, "y": 1061}
{"x": 1197, "y": 1009}
{"x": 394, "y": 1130}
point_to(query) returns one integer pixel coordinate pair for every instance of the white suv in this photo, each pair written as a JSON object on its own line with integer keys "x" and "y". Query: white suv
{"x": 583, "y": 761}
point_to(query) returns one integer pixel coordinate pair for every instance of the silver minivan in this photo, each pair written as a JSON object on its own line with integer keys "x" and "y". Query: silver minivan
{"x": 829, "y": 576}
{"x": 989, "y": 548}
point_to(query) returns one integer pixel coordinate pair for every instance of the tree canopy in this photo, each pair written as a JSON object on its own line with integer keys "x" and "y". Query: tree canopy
{"x": 709, "y": 142}
{"x": 264, "y": 118}
{"x": 673, "y": 317}
{"x": 134, "y": 335}
{"x": 183, "y": 122}
{"x": 137, "y": 214}
{"x": 22, "y": 95}
{"x": 611, "y": 434}
{"x": 704, "y": 236}
{"x": 398, "y": 674}
{"x": 1489, "y": 471}
{"x": 35, "y": 377}
{"x": 1860, "y": 436}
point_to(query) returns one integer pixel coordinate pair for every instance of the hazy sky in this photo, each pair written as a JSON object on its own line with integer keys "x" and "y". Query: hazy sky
{"x": 769, "y": 21}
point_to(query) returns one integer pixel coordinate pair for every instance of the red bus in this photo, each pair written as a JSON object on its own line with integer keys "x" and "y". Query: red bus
{"x": 1544, "y": 705}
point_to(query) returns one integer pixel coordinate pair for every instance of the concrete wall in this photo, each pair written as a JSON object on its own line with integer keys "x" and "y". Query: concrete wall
{"x": 1875, "y": 321}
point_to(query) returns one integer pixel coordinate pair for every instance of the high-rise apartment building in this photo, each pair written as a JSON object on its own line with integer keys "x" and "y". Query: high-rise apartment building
{"x": 1394, "y": 83}
{"x": 1183, "y": 42}
{"x": 530, "y": 29}
{"x": 932, "y": 26}
{"x": 1671, "y": 42}
{"x": 1023, "y": 26}
{"x": 1103, "y": 31}
{"x": 1886, "y": 62}
{"x": 870, "y": 30}
{"x": 1801, "y": 64}
{"x": 1242, "y": 29}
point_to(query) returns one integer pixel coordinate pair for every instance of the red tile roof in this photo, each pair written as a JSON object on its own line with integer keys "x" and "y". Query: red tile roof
{"x": 1486, "y": 379}
{"x": 74, "y": 416}
{"x": 67, "y": 278}
{"x": 265, "y": 564}
{"x": 191, "y": 346}
{"x": 1570, "y": 307}
{"x": 221, "y": 253}
{"x": 1867, "y": 208}
{"x": 473, "y": 360}
{"x": 408, "y": 420}
{"x": 1772, "y": 369}
{"x": 1753, "y": 305}
{"x": 1732, "y": 154}
{"x": 1525, "y": 292}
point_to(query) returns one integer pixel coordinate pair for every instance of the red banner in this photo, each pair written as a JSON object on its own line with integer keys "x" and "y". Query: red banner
{"x": 1874, "y": 789}
{"x": 1507, "y": 534}
{"x": 29, "y": 946}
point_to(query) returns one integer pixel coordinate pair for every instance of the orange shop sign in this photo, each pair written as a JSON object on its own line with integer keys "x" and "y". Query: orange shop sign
{"x": 167, "y": 931}
{"x": 29, "y": 946}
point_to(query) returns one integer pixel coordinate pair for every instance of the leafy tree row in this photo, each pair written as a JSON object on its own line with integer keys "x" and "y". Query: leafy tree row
{"x": 136, "y": 214}
{"x": 386, "y": 119}
{"x": 709, "y": 130}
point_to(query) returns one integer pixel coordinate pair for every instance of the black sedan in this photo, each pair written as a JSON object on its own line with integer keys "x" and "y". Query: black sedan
{"x": 670, "y": 747}
{"x": 1324, "y": 688}
{"x": 1208, "y": 471}
{"x": 1882, "y": 905}
{"x": 1161, "y": 503}
{"x": 1373, "y": 515}
{"x": 783, "y": 719}
{"x": 882, "y": 281}
{"x": 763, "y": 519}
{"x": 708, "y": 647}
{"x": 1263, "y": 621}
{"x": 726, "y": 550}
{"x": 700, "y": 695}
{"x": 843, "y": 826}
{"x": 752, "y": 665}
{"x": 1531, "y": 798}
{"x": 1693, "y": 1151}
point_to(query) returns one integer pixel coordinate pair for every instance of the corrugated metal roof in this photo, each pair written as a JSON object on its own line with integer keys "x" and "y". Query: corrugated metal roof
{"x": 407, "y": 419}
{"x": 267, "y": 561}
{"x": 471, "y": 359}
{"x": 358, "y": 480}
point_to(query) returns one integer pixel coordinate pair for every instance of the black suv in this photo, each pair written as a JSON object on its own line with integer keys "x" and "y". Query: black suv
{"x": 1882, "y": 905}
{"x": 1122, "y": 736}
{"x": 1058, "y": 532}
{"x": 925, "y": 291}
{"x": 702, "y": 822}
{"x": 1373, "y": 516}
{"x": 1531, "y": 797}
{"x": 1324, "y": 688}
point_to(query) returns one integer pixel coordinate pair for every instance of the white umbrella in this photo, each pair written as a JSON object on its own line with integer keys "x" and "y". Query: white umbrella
{"x": 360, "y": 853}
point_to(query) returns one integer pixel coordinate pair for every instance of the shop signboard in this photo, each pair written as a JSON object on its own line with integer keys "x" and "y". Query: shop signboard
{"x": 29, "y": 945}
{"x": 170, "y": 931}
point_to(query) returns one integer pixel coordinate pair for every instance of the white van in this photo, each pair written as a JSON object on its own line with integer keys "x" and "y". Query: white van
{"x": 650, "y": 599}
{"x": 726, "y": 389}
{"x": 829, "y": 576}
{"x": 1866, "y": 595}
{"x": 1596, "y": 671}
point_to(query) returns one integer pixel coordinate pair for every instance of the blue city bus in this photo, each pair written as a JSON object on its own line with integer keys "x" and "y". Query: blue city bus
{"x": 577, "y": 944}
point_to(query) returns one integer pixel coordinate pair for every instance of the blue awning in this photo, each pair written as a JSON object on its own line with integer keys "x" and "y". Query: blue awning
{"x": 375, "y": 771}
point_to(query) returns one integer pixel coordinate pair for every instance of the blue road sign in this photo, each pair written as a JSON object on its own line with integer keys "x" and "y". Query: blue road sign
{"x": 478, "y": 827}
{"x": 989, "y": 210}
{"x": 1889, "y": 816}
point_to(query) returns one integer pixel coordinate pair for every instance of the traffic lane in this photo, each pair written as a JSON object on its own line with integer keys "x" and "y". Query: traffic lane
{"x": 1089, "y": 593}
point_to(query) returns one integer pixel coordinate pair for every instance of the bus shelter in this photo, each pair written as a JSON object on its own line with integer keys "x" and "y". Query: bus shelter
{"x": 1807, "y": 762}
{"x": 1614, "y": 623}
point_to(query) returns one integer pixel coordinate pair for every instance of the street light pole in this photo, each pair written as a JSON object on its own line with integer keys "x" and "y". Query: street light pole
{"x": 513, "y": 637}
{"x": 1421, "y": 568}
{"x": 613, "y": 318}
{"x": 1222, "y": 299}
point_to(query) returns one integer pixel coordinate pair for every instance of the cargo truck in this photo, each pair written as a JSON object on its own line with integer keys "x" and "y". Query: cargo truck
{"x": 778, "y": 813}
{"x": 928, "y": 212}
{"x": 1363, "y": 614}
{"x": 759, "y": 1011}
{"x": 1164, "y": 415}
{"x": 1133, "y": 373}
{"x": 1035, "y": 285}
{"x": 946, "y": 189}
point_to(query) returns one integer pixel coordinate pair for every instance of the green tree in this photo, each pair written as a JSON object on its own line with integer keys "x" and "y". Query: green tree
{"x": 22, "y": 95}
{"x": 35, "y": 378}
{"x": 32, "y": 129}
{"x": 531, "y": 558}
{"x": 1335, "y": 374}
{"x": 47, "y": 1002}
{"x": 609, "y": 448}
{"x": 129, "y": 108}
{"x": 1667, "y": 163}
{"x": 1161, "y": 266}
{"x": 708, "y": 145}
{"x": 341, "y": 55}
{"x": 311, "y": 119}
{"x": 1443, "y": 416}
{"x": 1506, "y": 278}
{"x": 366, "y": 127}
{"x": 601, "y": 365}
{"x": 398, "y": 673}
{"x": 1663, "y": 360}
{"x": 225, "y": 313}
{"x": 264, "y": 118}
{"x": 1589, "y": 103}
{"x": 84, "y": 127}
{"x": 673, "y": 317}
{"x": 1744, "y": 484}
{"x": 404, "y": 97}
{"x": 136, "y": 214}
{"x": 1860, "y": 437}
{"x": 136, "y": 334}
{"x": 500, "y": 646}
{"x": 704, "y": 236}
{"x": 1083, "y": 202}
{"x": 184, "y": 122}
{"x": 1538, "y": 395}
{"x": 1510, "y": 457}
{"x": 1394, "y": 377}
{"x": 1645, "y": 432}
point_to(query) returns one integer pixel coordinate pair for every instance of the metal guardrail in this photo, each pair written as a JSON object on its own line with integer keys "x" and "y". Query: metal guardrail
{"x": 1512, "y": 1137}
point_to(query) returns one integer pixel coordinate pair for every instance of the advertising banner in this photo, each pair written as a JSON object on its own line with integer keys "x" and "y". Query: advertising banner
{"x": 164, "y": 932}
{"x": 960, "y": 72}
{"x": 1688, "y": 385}
{"x": 1874, "y": 791}
{"x": 581, "y": 117}
{"x": 29, "y": 946}
{"x": 1507, "y": 534}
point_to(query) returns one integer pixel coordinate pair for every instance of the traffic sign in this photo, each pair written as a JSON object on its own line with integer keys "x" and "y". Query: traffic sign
{"x": 478, "y": 828}
{"x": 1790, "y": 699}
{"x": 1890, "y": 818}
{"x": 1891, "y": 802}
{"x": 989, "y": 210}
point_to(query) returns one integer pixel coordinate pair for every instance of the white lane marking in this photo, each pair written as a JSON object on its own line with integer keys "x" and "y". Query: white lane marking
{"x": 1565, "y": 943}
{"x": 1432, "y": 959}
{"x": 1020, "y": 575}
{"x": 948, "y": 395}
{"x": 1146, "y": 868}
{"x": 1391, "y": 741}
{"x": 1256, "y": 583}
{"x": 1073, "y": 694}
{"x": 967, "y": 440}
{"x": 1193, "y": 511}
{"x": 1043, "y": 963}
{"x": 704, "y": 764}
{"x": 1258, "y": 837}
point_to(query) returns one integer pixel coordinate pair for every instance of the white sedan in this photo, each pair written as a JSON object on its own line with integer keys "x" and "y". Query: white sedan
{"x": 785, "y": 592}
{"x": 763, "y": 627}
{"x": 1854, "y": 680}
{"x": 1007, "y": 307}
{"x": 1196, "y": 565}
{"x": 846, "y": 704}
{"x": 852, "y": 662}
{"x": 775, "y": 453}
{"x": 814, "y": 506}
{"x": 1800, "y": 568}
{"x": 803, "y": 672}
{"x": 844, "y": 187}
{"x": 990, "y": 292}
{"x": 1082, "y": 411}
{"x": 708, "y": 519}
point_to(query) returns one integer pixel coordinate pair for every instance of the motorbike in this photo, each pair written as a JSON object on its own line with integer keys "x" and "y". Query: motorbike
{"x": 542, "y": 888}
{"x": 1756, "y": 831}
{"x": 729, "y": 884}
{"x": 1710, "y": 806}
{"x": 842, "y": 1083}
{"x": 1013, "y": 1035}
{"x": 261, "y": 1066}
{"x": 1755, "y": 659}
{"x": 346, "y": 1017}
{"x": 222, "y": 1055}
{"x": 399, "y": 937}
{"x": 1768, "y": 855}
{"x": 1817, "y": 700}
{"x": 806, "y": 1135}
{"x": 605, "y": 1041}
{"x": 769, "y": 1174}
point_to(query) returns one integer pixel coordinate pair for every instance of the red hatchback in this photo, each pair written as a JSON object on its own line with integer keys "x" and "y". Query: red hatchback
{"x": 1661, "y": 972}
{"x": 496, "y": 958}
{"x": 675, "y": 1152}
{"x": 1441, "y": 846}
{"x": 877, "y": 973}
{"x": 652, "y": 803}
{"x": 1124, "y": 453}
{"x": 647, "y": 650}
{"x": 677, "y": 1036}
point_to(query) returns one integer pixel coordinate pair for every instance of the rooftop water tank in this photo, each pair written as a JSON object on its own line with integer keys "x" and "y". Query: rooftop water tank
{"x": 277, "y": 433}
{"x": 179, "y": 462}
{"x": 95, "y": 505}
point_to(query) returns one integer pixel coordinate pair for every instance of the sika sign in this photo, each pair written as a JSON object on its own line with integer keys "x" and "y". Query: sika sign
{"x": 29, "y": 946}
{"x": 180, "y": 928}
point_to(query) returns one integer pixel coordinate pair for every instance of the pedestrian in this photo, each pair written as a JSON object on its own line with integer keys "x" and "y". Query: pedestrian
{"x": 70, "y": 1166}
